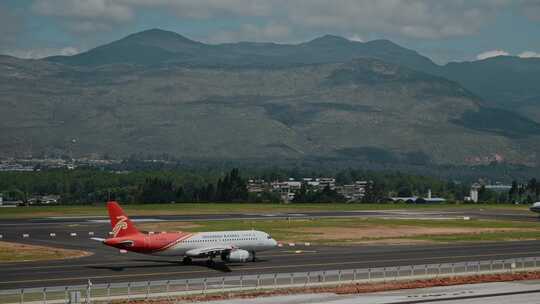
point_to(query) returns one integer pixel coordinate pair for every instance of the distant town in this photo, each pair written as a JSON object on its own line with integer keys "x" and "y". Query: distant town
{"x": 39, "y": 189}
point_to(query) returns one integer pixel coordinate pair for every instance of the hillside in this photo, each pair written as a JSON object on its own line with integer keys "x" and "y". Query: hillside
{"x": 506, "y": 82}
{"x": 158, "y": 47}
{"x": 157, "y": 92}
{"x": 320, "y": 110}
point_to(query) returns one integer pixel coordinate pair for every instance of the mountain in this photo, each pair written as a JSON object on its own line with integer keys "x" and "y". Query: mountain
{"x": 157, "y": 92}
{"x": 158, "y": 47}
{"x": 321, "y": 110}
{"x": 505, "y": 82}
{"x": 145, "y": 48}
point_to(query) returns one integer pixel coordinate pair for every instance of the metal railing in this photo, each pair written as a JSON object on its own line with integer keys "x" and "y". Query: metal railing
{"x": 173, "y": 288}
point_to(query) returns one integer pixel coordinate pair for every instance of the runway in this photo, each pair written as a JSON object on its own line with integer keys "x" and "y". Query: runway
{"x": 518, "y": 215}
{"x": 107, "y": 265}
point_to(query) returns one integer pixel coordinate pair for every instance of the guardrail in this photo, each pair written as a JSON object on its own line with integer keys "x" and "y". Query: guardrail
{"x": 173, "y": 288}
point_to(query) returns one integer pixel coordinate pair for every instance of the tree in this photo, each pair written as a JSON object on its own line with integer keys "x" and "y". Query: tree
{"x": 513, "y": 194}
{"x": 156, "y": 190}
{"x": 231, "y": 188}
{"x": 375, "y": 192}
{"x": 404, "y": 192}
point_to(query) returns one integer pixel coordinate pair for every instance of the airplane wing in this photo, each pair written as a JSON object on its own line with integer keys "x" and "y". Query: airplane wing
{"x": 207, "y": 251}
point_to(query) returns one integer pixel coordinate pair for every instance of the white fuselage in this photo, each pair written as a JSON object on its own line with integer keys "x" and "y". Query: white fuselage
{"x": 249, "y": 240}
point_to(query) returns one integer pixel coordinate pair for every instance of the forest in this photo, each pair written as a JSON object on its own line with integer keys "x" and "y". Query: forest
{"x": 90, "y": 185}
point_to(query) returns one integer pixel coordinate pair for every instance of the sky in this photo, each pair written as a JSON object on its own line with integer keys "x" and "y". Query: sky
{"x": 443, "y": 30}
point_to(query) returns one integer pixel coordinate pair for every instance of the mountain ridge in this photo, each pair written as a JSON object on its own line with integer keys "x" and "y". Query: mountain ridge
{"x": 503, "y": 81}
{"x": 135, "y": 94}
{"x": 233, "y": 54}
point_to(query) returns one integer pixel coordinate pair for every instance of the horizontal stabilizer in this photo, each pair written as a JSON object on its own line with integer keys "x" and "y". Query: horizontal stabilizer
{"x": 97, "y": 239}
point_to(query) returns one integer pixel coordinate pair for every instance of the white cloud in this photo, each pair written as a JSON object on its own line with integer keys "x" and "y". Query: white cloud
{"x": 84, "y": 9}
{"x": 411, "y": 18}
{"x": 10, "y": 27}
{"x": 531, "y": 9}
{"x": 357, "y": 38}
{"x": 493, "y": 53}
{"x": 81, "y": 16}
{"x": 529, "y": 54}
{"x": 253, "y": 33}
{"x": 204, "y": 9}
{"x": 425, "y": 19}
{"x": 42, "y": 52}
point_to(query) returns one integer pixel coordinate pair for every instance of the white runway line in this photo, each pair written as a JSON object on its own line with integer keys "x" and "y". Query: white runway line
{"x": 26, "y": 235}
{"x": 133, "y": 220}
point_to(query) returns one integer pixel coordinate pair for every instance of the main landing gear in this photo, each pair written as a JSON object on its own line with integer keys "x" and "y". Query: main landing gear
{"x": 210, "y": 261}
{"x": 253, "y": 257}
{"x": 186, "y": 261}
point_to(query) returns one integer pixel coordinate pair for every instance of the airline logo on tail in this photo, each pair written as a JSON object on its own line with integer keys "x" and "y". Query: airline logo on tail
{"x": 120, "y": 225}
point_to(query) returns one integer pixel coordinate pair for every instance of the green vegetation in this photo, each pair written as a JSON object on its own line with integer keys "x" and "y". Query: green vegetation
{"x": 82, "y": 186}
{"x": 91, "y": 185}
{"x": 217, "y": 208}
{"x": 323, "y": 100}
{"x": 498, "y": 121}
{"x": 86, "y": 186}
{"x": 354, "y": 230}
{"x": 275, "y": 110}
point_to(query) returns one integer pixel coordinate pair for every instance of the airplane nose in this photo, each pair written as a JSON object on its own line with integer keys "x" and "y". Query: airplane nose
{"x": 274, "y": 243}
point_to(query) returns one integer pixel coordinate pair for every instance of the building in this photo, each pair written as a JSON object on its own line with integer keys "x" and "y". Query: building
{"x": 419, "y": 200}
{"x": 329, "y": 182}
{"x": 287, "y": 189}
{"x": 497, "y": 187}
{"x": 257, "y": 186}
{"x": 48, "y": 199}
{"x": 15, "y": 167}
{"x": 4, "y": 203}
{"x": 353, "y": 192}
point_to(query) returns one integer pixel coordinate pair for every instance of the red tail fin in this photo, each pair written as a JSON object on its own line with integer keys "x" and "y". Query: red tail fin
{"x": 120, "y": 223}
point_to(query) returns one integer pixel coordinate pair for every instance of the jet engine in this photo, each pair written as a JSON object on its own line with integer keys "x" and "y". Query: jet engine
{"x": 236, "y": 256}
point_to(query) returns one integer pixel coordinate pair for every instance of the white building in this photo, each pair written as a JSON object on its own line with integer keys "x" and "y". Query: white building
{"x": 287, "y": 189}
{"x": 497, "y": 187}
{"x": 353, "y": 192}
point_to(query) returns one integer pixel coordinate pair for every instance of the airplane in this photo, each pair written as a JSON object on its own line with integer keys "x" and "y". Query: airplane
{"x": 230, "y": 246}
{"x": 535, "y": 207}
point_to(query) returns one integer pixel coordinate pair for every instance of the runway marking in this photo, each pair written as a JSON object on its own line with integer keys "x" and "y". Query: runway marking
{"x": 249, "y": 268}
{"x": 18, "y": 266}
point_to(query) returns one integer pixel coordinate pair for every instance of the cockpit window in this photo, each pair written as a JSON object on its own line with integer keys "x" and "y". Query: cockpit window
{"x": 268, "y": 237}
